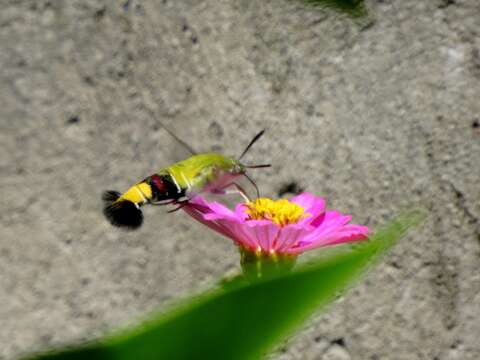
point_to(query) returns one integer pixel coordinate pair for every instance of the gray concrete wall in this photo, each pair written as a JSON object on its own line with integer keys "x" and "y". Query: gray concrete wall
{"x": 375, "y": 118}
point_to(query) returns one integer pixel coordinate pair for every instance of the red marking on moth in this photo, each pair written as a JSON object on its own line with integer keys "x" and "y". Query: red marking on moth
{"x": 158, "y": 182}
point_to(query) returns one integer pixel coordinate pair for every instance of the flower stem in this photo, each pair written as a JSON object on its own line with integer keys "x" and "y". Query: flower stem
{"x": 257, "y": 265}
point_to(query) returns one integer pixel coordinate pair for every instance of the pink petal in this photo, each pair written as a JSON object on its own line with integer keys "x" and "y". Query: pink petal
{"x": 330, "y": 220}
{"x": 314, "y": 207}
{"x": 255, "y": 236}
{"x": 348, "y": 233}
{"x": 198, "y": 200}
{"x": 221, "y": 210}
{"x": 240, "y": 211}
{"x": 212, "y": 210}
{"x": 199, "y": 216}
{"x": 291, "y": 235}
{"x": 241, "y": 235}
{"x": 265, "y": 235}
{"x": 312, "y": 204}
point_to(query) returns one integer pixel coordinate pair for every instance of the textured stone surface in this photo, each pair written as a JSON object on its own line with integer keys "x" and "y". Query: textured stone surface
{"x": 375, "y": 118}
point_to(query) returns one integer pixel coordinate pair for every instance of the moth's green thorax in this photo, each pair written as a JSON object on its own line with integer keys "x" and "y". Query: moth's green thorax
{"x": 200, "y": 170}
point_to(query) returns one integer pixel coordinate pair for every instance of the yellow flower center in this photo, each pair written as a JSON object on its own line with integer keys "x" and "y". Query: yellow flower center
{"x": 281, "y": 212}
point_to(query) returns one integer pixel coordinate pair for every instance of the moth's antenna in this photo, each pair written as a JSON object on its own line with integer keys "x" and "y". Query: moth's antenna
{"x": 254, "y": 140}
{"x": 180, "y": 141}
{"x": 172, "y": 134}
{"x": 257, "y": 166}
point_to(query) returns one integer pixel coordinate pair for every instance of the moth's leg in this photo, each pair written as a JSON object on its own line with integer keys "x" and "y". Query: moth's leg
{"x": 180, "y": 203}
{"x": 162, "y": 203}
{"x": 182, "y": 200}
{"x": 233, "y": 188}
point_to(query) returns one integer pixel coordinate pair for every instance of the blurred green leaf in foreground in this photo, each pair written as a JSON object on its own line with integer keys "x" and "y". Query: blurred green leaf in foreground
{"x": 354, "y": 8}
{"x": 245, "y": 320}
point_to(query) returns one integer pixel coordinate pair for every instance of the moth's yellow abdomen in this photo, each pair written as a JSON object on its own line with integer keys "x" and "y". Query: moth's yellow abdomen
{"x": 138, "y": 193}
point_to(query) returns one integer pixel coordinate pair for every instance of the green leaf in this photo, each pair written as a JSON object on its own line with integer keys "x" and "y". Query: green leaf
{"x": 355, "y": 8}
{"x": 244, "y": 320}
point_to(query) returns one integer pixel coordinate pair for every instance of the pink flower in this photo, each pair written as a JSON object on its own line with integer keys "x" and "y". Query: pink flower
{"x": 281, "y": 227}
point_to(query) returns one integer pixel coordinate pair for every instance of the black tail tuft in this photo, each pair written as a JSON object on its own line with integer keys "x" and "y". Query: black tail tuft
{"x": 110, "y": 196}
{"x": 123, "y": 213}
